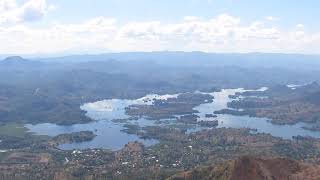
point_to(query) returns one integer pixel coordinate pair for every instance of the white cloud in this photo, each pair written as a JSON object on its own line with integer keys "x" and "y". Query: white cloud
{"x": 191, "y": 18}
{"x": 6, "y": 5}
{"x": 52, "y": 7}
{"x": 271, "y": 18}
{"x": 223, "y": 33}
{"x": 31, "y": 10}
{"x": 300, "y": 26}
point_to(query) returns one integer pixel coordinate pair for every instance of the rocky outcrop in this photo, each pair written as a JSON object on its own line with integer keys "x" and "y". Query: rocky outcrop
{"x": 250, "y": 168}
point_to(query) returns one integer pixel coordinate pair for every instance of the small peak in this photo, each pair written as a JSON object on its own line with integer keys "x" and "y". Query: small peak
{"x": 19, "y": 62}
{"x": 13, "y": 60}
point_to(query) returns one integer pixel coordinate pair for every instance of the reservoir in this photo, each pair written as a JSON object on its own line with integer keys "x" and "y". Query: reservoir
{"x": 110, "y": 134}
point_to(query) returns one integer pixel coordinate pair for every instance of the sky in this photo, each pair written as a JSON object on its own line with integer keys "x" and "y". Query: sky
{"x": 99, "y": 26}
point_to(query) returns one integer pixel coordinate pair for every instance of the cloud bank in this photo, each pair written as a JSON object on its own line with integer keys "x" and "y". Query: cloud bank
{"x": 31, "y": 10}
{"x": 222, "y": 33}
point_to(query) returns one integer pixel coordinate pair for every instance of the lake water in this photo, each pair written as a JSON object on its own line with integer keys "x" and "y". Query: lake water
{"x": 110, "y": 136}
{"x": 260, "y": 124}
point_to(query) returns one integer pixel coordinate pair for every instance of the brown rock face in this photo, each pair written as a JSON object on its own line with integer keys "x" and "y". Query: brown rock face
{"x": 249, "y": 168}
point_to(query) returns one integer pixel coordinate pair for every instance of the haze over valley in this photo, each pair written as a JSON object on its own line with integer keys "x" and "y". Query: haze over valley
{"x": 179, "y": 90}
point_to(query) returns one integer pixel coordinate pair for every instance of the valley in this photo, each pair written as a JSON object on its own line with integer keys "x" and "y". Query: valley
{"x": 80, "y": 120}
{"x": 159, "y": 90}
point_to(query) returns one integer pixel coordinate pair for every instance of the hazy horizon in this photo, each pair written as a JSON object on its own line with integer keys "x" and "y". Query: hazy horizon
{"x": 61, "y": 55}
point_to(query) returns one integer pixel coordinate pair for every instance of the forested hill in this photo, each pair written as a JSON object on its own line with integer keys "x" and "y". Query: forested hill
{"x": 58, "y": 86}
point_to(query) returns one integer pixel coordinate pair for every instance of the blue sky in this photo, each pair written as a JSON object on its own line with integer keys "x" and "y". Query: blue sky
{"x": 93, "y": 26}
{"x": 290, "y": 12}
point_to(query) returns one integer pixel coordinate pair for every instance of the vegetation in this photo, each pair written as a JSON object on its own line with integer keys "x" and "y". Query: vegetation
{"x": 176, "y": 152}
{"x": 41, "y": 92}
{"x": 281, "y": 104}
{"x": 76, "y": 137}
{"x": 162, "y": 109}
{"x": 13, "y": 129}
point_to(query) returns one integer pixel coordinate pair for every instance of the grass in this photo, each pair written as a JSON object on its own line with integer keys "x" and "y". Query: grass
{"x": 3, "y": 155}
{"x": 13, "y": 129}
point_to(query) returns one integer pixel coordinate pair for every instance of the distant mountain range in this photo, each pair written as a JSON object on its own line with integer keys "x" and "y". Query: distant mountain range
{"x": 247, "y": 60}
{"x": 292, "y": 61}
{"x": 18, "y": 62}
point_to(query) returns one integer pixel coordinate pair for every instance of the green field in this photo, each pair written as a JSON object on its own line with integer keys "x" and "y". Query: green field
{"x": 13, "y": 129}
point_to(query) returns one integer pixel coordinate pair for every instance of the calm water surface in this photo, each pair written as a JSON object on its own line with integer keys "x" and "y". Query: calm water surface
{"x": 261, "y": 124}
{"x": 110, "y": 136}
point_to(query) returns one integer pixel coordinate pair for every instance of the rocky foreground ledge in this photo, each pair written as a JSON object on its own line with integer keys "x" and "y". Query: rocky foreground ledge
{"x": 251, "y": 168}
